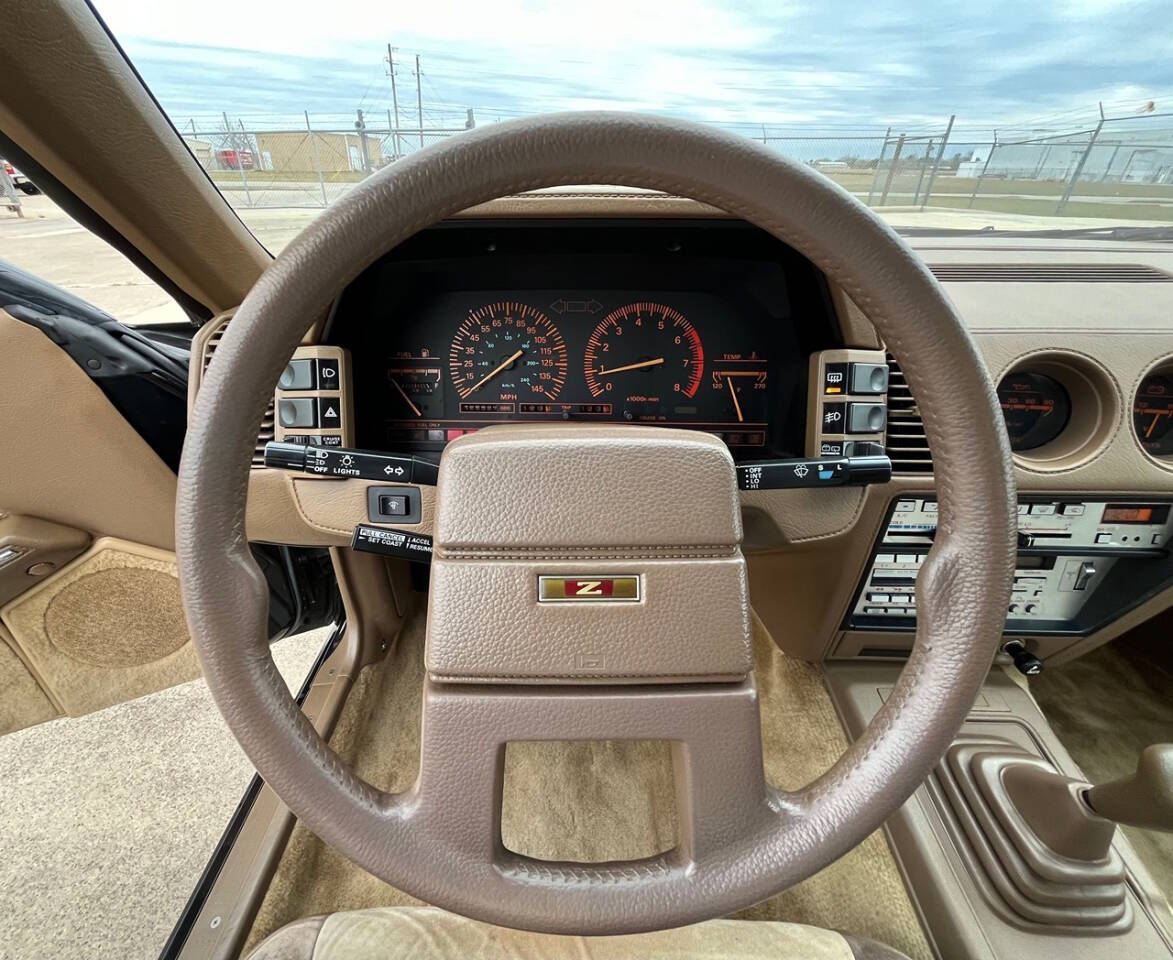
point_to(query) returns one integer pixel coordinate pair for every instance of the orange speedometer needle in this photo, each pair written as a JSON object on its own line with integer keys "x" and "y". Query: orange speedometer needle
{"x": 736, "y": 403}
{"x": 631, "y": 366}
{"x": 496, "y": 370}
{"x": 406, "y": 398}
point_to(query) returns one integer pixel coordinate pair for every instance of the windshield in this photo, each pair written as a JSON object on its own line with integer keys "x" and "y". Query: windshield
{"x": 944, "y": 116}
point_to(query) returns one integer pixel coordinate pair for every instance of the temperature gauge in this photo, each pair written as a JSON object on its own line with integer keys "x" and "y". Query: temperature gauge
{"x": 740, "y": 392}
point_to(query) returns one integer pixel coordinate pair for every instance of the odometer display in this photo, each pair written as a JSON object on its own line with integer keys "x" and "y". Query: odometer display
{"x": 645, "y": 357}
{"x": 507, "y": 353}
{"x": 1152, "y": 414}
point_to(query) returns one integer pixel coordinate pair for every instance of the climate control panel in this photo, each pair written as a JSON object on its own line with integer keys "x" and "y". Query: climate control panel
{"x": 1068, "y": 575}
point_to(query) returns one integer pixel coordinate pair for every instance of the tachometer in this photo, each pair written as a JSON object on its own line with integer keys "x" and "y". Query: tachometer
{"x": 1036, "y": 409}
{"x": 648, "y": 355}
{"x": 505, "y": 353}
{"x": 1152, "y": 414}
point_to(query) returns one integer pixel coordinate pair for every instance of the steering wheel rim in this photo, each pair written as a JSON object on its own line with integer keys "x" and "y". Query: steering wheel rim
{"x": 962, "y": 590}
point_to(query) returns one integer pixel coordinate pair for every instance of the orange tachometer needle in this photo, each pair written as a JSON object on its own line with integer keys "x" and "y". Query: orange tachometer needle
{"x": 736, "y": 404}
{"x": 1149, "y": 432}
{"x": 631, "y": 366}
{"x": 406, "y": 398}
{"x": 496, "y": 370}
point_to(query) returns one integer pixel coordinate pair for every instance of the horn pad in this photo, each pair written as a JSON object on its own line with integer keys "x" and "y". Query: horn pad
{"x": 588, "y": 554}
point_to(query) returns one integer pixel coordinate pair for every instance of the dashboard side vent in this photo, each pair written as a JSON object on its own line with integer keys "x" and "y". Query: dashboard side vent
{"x": 906, "y": 444}
{"x": 1049, "y": 273}
{"x": 268, "y": 423}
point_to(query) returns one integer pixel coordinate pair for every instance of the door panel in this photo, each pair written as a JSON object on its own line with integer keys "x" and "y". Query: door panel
{"x": 83, "y": 491}
{"x": 106, "y": 628}
{"x": 22, "y": 701}
{"x": 69, "y": 456}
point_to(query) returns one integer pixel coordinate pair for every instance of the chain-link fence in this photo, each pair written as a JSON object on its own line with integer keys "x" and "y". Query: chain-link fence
{"x": 276, "y": 164}
{"x": 1121, "y": 168}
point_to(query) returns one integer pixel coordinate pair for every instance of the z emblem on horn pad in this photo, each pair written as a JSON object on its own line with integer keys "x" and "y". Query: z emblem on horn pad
{"x": 611, "y": 589}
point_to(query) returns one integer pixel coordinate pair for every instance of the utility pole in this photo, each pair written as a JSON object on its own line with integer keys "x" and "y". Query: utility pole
{"x": 1091, "y": 142}
{"x": 394, "y": 96}
{"x": 361, "y": 126}
{"x": 419, "y": 98}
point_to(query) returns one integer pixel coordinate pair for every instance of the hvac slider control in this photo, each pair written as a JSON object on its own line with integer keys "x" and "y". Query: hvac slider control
{"x": 827, "y": 472}
{"x": 342, "y": 462}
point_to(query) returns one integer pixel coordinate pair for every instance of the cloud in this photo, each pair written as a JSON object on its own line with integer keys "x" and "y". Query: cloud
{"x": 853, "y": 64}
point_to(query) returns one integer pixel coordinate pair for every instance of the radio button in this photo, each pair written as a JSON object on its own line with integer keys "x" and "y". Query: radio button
{"x": 1074, "y": 509}
{"x": 1042, "y": 509}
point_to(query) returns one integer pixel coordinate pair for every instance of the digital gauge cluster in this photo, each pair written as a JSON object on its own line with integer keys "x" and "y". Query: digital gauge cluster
{"x": 467, "y": 361}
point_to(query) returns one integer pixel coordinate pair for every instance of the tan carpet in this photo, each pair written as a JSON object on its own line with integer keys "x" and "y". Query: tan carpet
{"x": 107, "y": 820}
{"x": 1108, "y": 706}
{"x": 624, "y": 802}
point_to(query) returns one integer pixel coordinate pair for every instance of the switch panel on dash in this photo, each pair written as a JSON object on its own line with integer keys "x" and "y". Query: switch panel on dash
{"x": 847, "y": 401}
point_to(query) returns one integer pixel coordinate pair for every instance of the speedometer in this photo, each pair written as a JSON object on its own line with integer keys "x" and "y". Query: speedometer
{"x": 504, "y": 354}
{"x": 647, "y": 354}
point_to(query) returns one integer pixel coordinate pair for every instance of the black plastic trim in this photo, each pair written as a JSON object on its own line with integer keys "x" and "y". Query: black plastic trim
{"x": 195, "y": 903}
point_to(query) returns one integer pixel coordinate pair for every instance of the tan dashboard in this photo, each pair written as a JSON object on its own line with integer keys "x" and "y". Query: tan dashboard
{"x": 1093, "y": 318}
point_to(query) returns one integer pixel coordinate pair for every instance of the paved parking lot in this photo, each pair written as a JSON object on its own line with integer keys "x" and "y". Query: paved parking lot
{"x": 48, "y": 243}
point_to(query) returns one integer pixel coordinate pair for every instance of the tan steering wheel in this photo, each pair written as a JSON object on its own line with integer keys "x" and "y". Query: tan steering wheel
{"x": 745, "y": 840}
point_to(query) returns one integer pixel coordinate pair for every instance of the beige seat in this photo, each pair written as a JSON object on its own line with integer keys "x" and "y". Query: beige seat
{"x": 391, "y": 933}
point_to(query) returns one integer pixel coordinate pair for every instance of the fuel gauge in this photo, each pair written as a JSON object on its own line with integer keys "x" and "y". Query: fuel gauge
{"x": 416, "y": 393}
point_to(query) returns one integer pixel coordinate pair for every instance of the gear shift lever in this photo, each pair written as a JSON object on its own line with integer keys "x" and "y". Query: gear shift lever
{"x": 1051, "y": 836}
{"x": 1141, "y": 799}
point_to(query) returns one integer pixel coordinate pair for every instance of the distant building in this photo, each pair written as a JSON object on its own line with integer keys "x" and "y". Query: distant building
{"x": 293, "y": 150}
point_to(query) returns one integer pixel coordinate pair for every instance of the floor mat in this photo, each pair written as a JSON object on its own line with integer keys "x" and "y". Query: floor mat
{"x": 107, "y": 820}
{"x": 378, "y": 735}
{"x": 1106, "y": 707}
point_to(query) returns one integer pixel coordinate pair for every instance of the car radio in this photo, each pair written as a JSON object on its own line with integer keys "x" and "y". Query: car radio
{"x": 1081, "y": 563}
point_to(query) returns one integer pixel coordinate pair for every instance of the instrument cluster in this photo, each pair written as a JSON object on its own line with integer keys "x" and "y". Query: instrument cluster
{"x": 468, "y": 360}
{"x": 706, "y": 325}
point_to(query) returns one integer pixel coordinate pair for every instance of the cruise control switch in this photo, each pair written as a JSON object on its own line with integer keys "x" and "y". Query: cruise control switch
{"x": 828, "y": 472}
{"x": 341, "y": 462}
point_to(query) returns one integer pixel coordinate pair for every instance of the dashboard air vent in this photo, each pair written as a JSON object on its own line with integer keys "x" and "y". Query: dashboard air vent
{"x": 906, "y": 443}
{"x": 1049, "y": 273}
{"x": 268, "y": 423}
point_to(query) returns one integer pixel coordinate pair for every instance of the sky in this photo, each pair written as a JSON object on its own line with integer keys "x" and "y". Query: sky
{"x": 857, "y": 65}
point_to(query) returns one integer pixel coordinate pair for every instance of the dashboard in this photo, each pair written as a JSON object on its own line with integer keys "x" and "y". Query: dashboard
{"x": 580, "y": 285}
{"x": 704, "y": 326}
